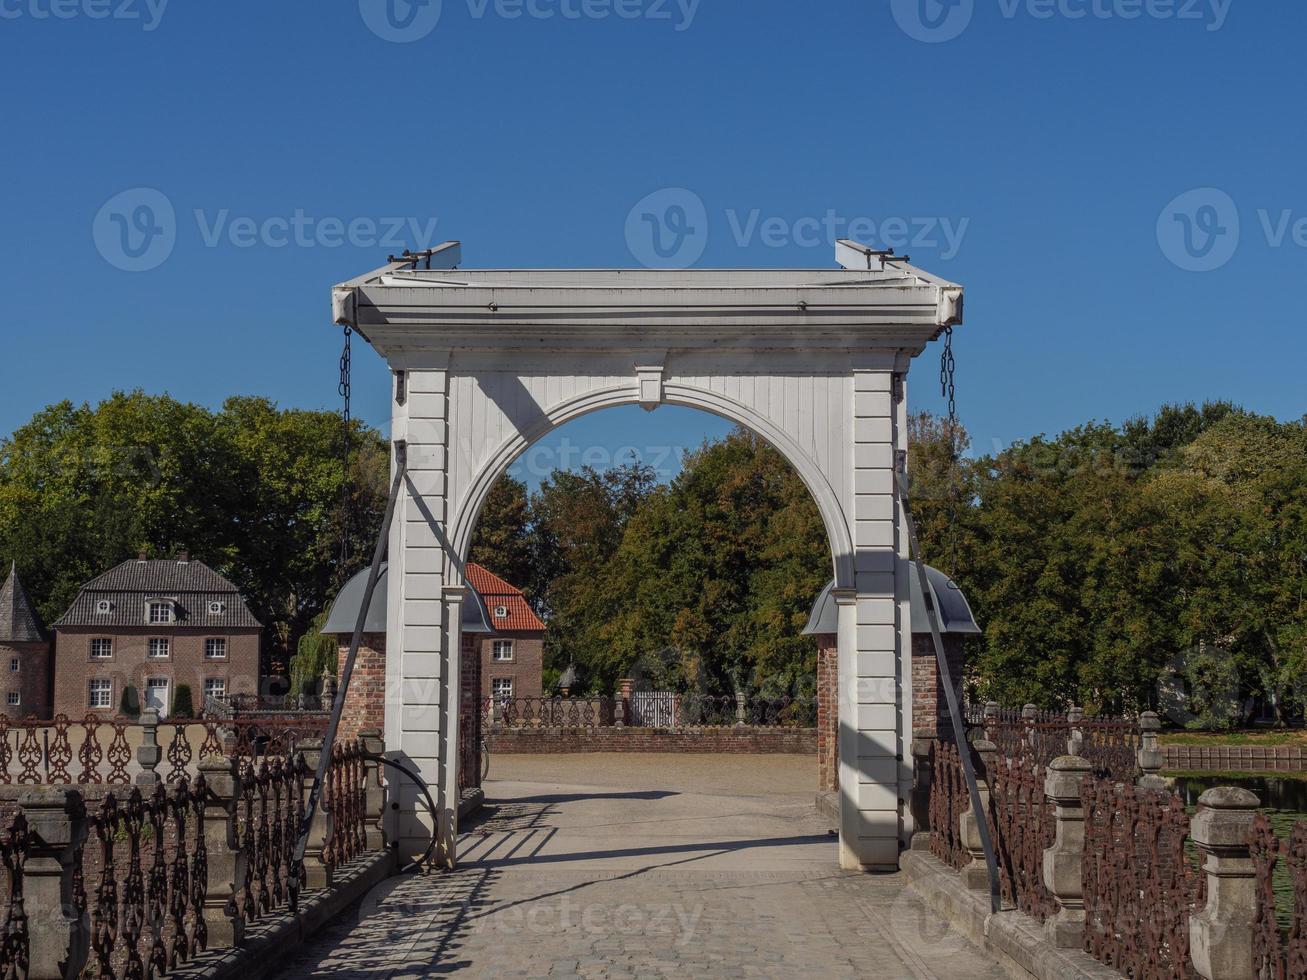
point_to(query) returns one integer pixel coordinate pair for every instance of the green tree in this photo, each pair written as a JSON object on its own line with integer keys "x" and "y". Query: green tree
{"x": 502, "y": 542}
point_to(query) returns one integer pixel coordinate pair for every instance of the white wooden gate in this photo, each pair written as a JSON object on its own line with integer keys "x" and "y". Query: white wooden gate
{"x": 815, "y": 361}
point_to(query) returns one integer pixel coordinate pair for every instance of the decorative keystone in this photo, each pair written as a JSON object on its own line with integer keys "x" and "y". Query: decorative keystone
{"x": 1221, "y": 935}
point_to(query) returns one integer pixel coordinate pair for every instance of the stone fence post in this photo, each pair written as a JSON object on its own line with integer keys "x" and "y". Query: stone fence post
{"x": 1028, "y": 713}
{"x": 59, "y": 938}
{"x": 317, "y": 874}
{"x": 975, "y": 875}
{"x": 374, "y": 801}
{"x": 1063, "y": 861}
{"x": 227, "y": 860}
{"x": 624, "y": 688}
{"x": 992, "y": 709}
{"x": 1221, "y": 935}
{"x": 739, "y": 708}
{"x": 1075, "y": 738}
{"x": 1150, "y": 757}
{"x": 148, "y": 754}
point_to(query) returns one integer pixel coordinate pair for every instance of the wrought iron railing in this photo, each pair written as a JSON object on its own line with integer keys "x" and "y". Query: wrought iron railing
{"x": 1141, "y": 882}
{"x": 15, "y": 943}
{"x": 146, "y": 863}
{"x": 655, "y": 709}
{"x": 1022, "y": 822}
{"x": 949, "y": 800}
{"x": 1280, "y": 922}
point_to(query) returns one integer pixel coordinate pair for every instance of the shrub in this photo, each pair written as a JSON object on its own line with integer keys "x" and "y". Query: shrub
{"x": 182, "y": 707}
{"x": 130, "y": 704}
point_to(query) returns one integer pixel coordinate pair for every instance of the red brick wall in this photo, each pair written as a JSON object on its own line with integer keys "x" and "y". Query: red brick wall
{"x": 186, "y": 664}
{"x": 742, "y": 740}
{"x": 365, "y": 701}
{"x": 525, "y": 668}
{"x": 929, "y": 707}
{"x": 31, "y": 680}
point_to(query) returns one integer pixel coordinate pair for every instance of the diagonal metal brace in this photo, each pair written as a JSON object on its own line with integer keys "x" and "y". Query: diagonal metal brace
{"x": 329, "y": 739}
{"x": 950, "y": 695}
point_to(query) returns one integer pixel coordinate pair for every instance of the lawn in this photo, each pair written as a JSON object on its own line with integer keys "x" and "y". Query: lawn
{"x": 1254, "y": 737}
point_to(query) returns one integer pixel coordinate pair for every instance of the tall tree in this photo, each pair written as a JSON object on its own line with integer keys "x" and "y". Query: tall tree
{"x": 502, "y": 542}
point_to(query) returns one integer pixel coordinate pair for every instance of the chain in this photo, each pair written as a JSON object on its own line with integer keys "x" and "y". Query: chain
{"x": 344, "y": 389}
{"x": 947, "y": 386}
{"x": 948, "y": 389}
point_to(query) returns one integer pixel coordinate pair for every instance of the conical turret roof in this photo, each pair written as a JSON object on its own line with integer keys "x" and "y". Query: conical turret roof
{"x": 19, "y": 622}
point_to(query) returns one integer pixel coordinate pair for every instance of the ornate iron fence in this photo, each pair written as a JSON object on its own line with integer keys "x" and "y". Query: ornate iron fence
{"x": 652, "y": 709}
{"x": 1021, "y": 819}
{"x": 949, "y": 799}
{"x": 346, "y": 791}
{"x": 271, "y": 809}
{"x": 1280, "y": 924}
{"x": 149, "y": 914}
{"x": 15, "y": 942}
{"x": 1141, "y": 884}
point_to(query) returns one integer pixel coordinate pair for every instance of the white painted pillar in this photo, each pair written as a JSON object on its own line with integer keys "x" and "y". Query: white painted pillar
{"x": 416, "y": 649}
{"x": 871, "y": 728}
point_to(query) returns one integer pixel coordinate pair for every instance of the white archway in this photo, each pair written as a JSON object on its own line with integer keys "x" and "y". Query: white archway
{"x": 814, "y": 361}
{"x": 832, "y": 513}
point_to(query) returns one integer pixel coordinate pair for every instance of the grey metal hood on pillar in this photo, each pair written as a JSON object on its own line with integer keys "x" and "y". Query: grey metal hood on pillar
{"x": 954, "y": 610}
{"x": 345, "y": 610}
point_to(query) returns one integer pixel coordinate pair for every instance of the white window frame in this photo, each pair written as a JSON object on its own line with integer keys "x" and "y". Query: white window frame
{"x": 217, "y": 608}
{"x": 150, "y": 646}
{"x": 215, "y": 656}
{"x": 103, "y": 607}
{"x": 14, "y": 665}
{"x": 101, "y": 656}
{"x": 170, "y": 612}
{"x": 501, "y": 612}
{"x": 496, "y": 683}
{"x": 501, "y": 646}
{"x": 13, "y": 699}
{"x": 220, "y": 682}
{"x": 98, "y": 685}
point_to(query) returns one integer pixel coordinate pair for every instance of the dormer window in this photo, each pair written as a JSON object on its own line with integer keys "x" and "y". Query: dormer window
{"x": 160, "y": 611}
{"x": 501, "y": 612}
{"x": 103, "y": 607}
{"x": 217, "y": 608}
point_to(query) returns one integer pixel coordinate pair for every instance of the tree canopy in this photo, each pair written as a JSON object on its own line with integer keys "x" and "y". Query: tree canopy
{"x": 250, "y": 489}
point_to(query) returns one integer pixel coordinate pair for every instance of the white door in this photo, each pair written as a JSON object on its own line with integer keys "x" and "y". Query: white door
{"x": 156, "y": 695}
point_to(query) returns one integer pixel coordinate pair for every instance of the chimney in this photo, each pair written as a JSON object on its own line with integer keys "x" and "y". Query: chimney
{"x": 184, "y": 558}
{"x": 140, "y": 556}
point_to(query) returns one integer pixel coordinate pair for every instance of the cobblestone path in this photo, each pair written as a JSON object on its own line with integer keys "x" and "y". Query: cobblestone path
{"x": 575, "y": 871}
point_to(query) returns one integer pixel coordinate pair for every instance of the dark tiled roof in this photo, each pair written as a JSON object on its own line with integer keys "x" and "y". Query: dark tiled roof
{"x": 19, "y": 622}
{"x": 127, "y": 587}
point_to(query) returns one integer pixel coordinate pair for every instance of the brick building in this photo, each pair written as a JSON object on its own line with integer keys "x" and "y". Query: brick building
{"x": 929, "y": 708}
{"x": 154, "y": 625}
{"x": 24, "y": 653}
{"x": 513, "y": 656}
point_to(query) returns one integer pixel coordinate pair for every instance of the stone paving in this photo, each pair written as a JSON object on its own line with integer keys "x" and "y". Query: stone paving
{"x": 581, "y": 868}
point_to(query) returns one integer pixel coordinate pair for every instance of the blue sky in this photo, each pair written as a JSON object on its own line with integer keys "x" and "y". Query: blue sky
{"x": 1046, "y": 155}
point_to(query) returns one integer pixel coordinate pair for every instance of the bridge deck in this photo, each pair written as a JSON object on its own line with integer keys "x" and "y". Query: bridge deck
{"x": 645, "y": 866}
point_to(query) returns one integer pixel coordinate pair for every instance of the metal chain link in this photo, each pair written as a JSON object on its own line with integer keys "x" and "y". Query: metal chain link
{"x": 948, "y": 389}
{"x": 344, "y": 390}
{"x": 947, "y": 386}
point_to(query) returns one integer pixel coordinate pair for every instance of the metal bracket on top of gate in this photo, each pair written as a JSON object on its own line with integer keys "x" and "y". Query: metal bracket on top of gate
{"x": 950, "y": 695}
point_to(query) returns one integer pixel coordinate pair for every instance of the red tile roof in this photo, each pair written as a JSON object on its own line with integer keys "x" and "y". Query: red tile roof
{"x": 497, "y": 593}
